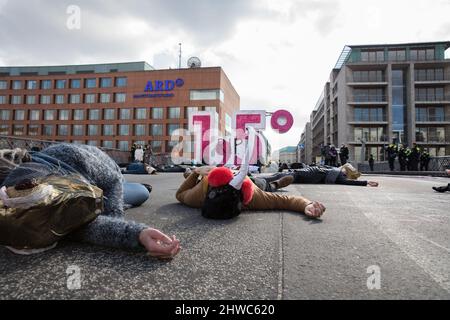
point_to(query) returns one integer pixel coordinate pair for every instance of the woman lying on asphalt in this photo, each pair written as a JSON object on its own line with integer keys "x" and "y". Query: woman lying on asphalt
{"x": 98, "y": 169}
{"x": 345, "y": 175}
{"x": 221, "y": 195}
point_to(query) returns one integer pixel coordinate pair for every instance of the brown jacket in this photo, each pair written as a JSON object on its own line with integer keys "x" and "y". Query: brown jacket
{"x": 192, "y": 193}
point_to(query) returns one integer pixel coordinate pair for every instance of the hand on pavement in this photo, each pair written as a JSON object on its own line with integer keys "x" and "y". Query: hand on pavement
{"x": 315, "y": 210}
{"x": 159, "y": 245}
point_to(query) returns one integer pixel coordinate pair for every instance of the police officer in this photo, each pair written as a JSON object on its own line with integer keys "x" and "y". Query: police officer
{"x": 424, "y": 161}
{"x": 414, "y": 158}
{"x": 403, "y": 157}
{"x": 392, "y": 154}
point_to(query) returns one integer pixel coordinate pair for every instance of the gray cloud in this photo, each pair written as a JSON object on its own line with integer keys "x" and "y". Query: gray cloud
{"x": 34, "y": 31}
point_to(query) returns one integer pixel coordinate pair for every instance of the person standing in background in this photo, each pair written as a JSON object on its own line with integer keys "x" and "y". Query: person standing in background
{"x": 343, "y": 154}
{"x": 371, "y": 162}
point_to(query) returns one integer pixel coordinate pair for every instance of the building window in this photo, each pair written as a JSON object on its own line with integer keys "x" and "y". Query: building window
{"x": 125, "y": 114}
{"x": 63, "y": 115}
{"x": 108, "y": 144}
{"x": 211, "y": 109}
{"x": 141, "y": 114}
{"x": 78, "y": 115}
{"x": 93, "y": 130}
{"x": 2, "y": 99}
{"x": 369, "y": 95}
{"x": 422, "y": 54}
{"x": 369, "y": 114}
{"x": 3, "y": 85}
{"x": 372, "y": 55}
{"x": 430, "y": 94}
{"x": 33, "y": 130}
{"x": 174, "y": 113}
{"x": 48, "y": 130}
{"x": 105, "y": 98}
{"x": 120, "y": 97}
{"x": 18, "y": 130}
{"x": 46, "y": 99}
{"x": 60, "y": 84}
{"x": 121, "y": 82}
{"x": 157, "y": 113}
{"x": 108, "y": 130}
{"x": 207, "y": 95}
{"x": 75, "y": 98}
{"x": 4, "y": 130}
{"x": 35, "y": 115}
{"x": 374, "y": 134}
{"x": 32, "y": 85}
{"x": 139, "y": 130}
{"x": 90, "y": 83}
{"x": 19, "y": 115}
{"x": 78, "y": 130}
{"x": 157, "y": 146}
{"x": 109, "y": 114}
{"x": 92, "y": 143}
{"x": 124, "y": 130}
{"x": 94, "y": 114}
{"x": 16, "y": 100}
{"x": 59, "y": 99}
{"x": 75, "y": 84}
{"x": 17, "y": 85}
{"x": 63, "y": 130}
{"x": 124, "y": 145}
{"x": 156, "y": 129}
{"x": 171, "y": 128}
{"x": 4, "y": 115}
{"x": 397, "y": 55}
{"x": 105, "y": 83}
{"x": 31, "y": 99}
{"x": 49, "y": 115}
{"x": 368, "y": 76}
{"x": 89, "y": 98}
{"x": 46, "y": 84}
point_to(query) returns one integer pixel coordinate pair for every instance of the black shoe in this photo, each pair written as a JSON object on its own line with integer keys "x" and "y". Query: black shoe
{"x": 148, "y": 187}
{"x": 442, "y": 189}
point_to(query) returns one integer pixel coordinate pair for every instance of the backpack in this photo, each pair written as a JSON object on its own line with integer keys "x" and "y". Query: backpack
{"x": 37, "y": 213}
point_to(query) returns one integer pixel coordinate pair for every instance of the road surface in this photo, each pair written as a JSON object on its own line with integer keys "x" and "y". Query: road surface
{"x": 399, "y": 231}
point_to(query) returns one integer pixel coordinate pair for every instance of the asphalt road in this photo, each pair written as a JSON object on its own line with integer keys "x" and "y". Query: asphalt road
{"x": 401, "y": 229}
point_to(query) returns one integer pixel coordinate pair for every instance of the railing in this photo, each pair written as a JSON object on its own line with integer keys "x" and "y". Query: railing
{"x": 367, "y": 80}
{"x": 436, "y": 164}
{"x": 367, "y": 119}
{"x": 427, "y": 78}
{"x": 441, "y": 118}
{"x": 426, "y": 98}
{"x": 369, "y": 98}
{"x": 7, "y": 142}
{"x": 430, "y": 139}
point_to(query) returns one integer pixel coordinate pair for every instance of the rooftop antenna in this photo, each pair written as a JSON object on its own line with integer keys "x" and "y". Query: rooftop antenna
{"x": 179, "y": 58}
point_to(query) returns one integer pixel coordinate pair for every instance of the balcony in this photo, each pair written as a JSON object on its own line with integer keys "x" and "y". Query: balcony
{"x": 432, "y": 78}
{"x": 368, "y": 120}
{"x": 441, "y": 119}
{"x": 367, "y": 81}
{"x": 368, "y": 99}
{"x": 433, "y": 99}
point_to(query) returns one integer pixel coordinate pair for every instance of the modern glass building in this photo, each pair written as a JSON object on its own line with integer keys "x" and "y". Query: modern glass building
{"x": 111, "y": 105}
{"x": 383, "y": 93}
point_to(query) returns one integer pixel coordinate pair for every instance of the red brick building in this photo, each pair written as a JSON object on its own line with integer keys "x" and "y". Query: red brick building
{"x": 110, "y": 105}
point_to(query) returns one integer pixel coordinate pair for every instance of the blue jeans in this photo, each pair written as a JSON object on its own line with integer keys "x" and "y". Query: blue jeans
{"x": 135, "y": 194}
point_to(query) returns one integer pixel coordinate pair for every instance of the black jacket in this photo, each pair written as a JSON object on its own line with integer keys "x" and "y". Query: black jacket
{"x": 316, "y": 175}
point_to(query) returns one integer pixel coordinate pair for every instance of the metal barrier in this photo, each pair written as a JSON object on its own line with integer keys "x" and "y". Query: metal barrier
{"x": 6, "y": 142}
{"x": 436, "y": 164}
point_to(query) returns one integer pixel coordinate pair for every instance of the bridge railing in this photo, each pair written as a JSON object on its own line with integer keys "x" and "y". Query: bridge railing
{"x": 6, "y": 142}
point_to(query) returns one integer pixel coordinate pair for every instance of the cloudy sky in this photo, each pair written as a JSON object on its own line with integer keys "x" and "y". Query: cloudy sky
{"x": 277, "y": 53}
